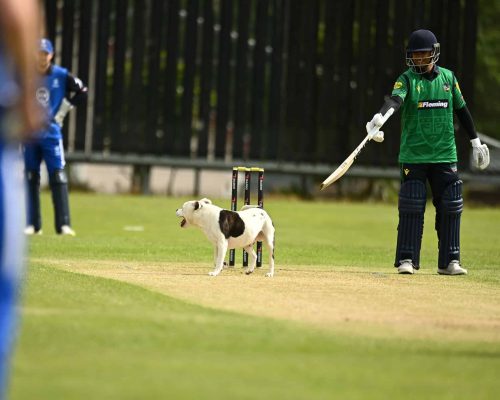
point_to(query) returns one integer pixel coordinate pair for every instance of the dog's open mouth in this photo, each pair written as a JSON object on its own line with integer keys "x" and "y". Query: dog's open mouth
{"x": 183, "y": 222}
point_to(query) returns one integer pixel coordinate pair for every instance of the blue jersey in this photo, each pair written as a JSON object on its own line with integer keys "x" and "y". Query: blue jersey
{"x": 50, "y": 95}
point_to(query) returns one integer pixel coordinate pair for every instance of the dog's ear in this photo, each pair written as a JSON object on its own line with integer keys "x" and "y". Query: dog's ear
{"x": 197, "y": 205}
{"x": 206, "y": 201}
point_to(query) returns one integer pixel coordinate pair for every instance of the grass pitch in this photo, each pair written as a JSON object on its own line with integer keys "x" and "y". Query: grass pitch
{"x": 126, "y": 309}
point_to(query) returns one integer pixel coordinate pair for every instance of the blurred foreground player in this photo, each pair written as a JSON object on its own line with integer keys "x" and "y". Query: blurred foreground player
{"x": 58, "y": 93}
{"x": 428, "y": 96}
{"x": 19, "y": 116}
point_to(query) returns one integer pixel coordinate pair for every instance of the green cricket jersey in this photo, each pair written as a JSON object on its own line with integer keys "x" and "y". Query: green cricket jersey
{"x": 427, "y": 134}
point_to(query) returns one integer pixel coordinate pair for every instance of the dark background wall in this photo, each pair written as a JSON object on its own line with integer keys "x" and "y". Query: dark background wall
{"x": 272, "y": 80}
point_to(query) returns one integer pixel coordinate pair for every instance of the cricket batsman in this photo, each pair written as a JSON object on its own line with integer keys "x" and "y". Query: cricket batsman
{"x": 58, "y": 93}
{"x": 428, "y": 96}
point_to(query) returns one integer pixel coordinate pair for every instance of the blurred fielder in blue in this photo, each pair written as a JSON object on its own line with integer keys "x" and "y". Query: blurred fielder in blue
{"x": 58, "y": 93}
{"x": 19, "y": 117}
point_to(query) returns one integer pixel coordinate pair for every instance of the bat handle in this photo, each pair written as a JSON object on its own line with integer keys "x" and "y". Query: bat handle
{"x": 389, "y": 112}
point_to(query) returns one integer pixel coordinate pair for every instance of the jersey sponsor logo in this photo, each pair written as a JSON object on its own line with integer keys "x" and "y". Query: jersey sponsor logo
{"x": 55, "y": 83}
{"x": 43, "y": 96}
{"x": 431, "y": 104}
{"x": 398, "y": 85}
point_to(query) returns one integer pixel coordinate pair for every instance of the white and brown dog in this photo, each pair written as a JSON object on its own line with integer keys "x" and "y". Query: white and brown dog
{"x": 230, "y": 229}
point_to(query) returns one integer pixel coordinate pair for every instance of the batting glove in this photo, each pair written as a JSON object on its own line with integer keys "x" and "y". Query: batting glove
{"x": 480, "y": 154}
{"x": 378, "y": 137}
{"x": 64, "y": 108}
{"x": 374, "y": 125}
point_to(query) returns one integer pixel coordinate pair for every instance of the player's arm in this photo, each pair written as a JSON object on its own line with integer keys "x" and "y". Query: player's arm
{"x": 391, "y": 102}
{"x": 19, "y": 21}
{"x": 480, "y": 152}
{"x": 462, "y": 111}
{"x": 76, "y": 94}
{"x": 466, "y": 121}
{"x": 76, "y": 91}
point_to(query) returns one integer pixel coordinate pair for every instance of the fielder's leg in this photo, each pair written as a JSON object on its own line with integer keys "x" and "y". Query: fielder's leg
{"x": 53, "y": 154}
{"x": 452, "y": 204}
{"x": 32, "y": 160}
{"x": 412, "y": 199}
{"x": 59, "y": 188}
{"x": 34, "y": 221}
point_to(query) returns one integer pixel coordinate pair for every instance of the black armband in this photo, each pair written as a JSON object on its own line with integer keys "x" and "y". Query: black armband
{"x": 466, "y": 121}
{"x": 392, "y": 102}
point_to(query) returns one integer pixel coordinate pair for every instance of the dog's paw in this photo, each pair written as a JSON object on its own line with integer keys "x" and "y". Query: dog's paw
{"x": 269, "y": 274}
{"x": 248, "y": 271}
{"x": 213, "y": 273}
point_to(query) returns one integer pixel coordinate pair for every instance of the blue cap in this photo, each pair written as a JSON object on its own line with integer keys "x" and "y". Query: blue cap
{"x": 46, "y": 46}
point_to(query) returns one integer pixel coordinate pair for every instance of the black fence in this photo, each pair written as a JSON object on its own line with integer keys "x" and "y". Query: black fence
{"x": 289, "y": 80}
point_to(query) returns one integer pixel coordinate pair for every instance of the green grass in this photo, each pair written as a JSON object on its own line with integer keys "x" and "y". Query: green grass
{"x": 319, "y": 233}
{"x": 84, "y": 337}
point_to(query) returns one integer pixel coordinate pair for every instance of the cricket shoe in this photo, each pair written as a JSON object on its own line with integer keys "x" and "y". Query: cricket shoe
{"x": 30, "y": 230}
{"x": 66, "y": 230}
{"x": 454, "y": 268}
{"x": 405, "y": 267}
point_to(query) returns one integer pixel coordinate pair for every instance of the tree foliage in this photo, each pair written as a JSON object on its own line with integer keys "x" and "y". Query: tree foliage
{"x": 487, "y": 82}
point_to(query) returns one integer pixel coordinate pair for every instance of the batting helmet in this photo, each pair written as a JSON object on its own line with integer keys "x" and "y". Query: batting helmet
{"x": 422, "y": 40}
